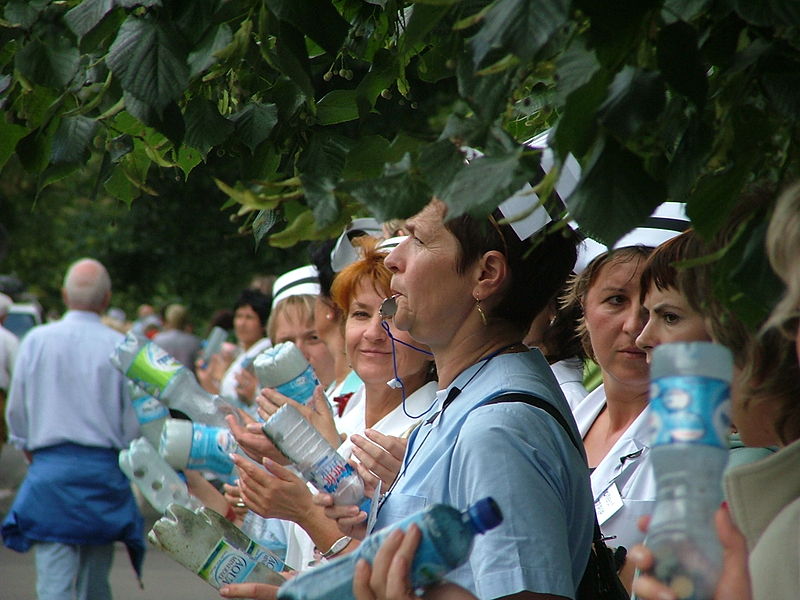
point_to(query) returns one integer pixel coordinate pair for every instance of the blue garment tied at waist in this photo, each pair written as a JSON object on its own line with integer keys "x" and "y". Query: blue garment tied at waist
{"x": 75, "y": 495}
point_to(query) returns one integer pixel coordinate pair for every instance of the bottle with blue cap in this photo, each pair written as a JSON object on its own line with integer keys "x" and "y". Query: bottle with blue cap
{"x": 314, "y": 457}
{"x": 188, "y": 445}
{"x": 690, "y": 412}
{"x": 447, "y": 537}
{"x": 284, "y": 368}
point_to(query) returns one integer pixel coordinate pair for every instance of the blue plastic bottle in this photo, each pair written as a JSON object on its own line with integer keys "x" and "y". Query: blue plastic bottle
{"x": 689, "y": 399}
{"x": 447, "y": 536}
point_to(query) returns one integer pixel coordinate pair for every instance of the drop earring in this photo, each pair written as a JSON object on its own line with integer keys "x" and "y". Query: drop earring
{"x": 480, "y": 311}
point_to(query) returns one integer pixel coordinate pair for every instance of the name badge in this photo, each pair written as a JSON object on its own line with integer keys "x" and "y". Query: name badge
{"x": 608, "y": 504}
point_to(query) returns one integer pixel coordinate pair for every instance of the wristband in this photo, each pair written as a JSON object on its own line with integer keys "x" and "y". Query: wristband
{"x": 337, "y": 547}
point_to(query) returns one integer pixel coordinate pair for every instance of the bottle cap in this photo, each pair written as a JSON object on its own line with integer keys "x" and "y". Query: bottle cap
{"x": 485, "y": 515}
{"x": 176, "y": 442}
{"x": 279, "y": 364}
{"x": 704, "y": 359}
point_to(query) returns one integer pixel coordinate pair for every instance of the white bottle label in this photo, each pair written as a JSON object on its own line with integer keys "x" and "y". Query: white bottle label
{"x": 226, "y": 565}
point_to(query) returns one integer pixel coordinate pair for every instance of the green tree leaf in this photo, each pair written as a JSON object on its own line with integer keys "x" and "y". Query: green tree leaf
{"x": 254, "y": 123}
{"x": 576, "y": 67}
{"x": 292, "y": 57}
{"x": 615, "y": 33}
{"x": 87, "y": 15}
{"x": 627, "y": 193}
{"x": 149, "y": 61}
{"x": 205, "y": 127}
{"x": 24, "y": 13}
{"x": 119, "y": 186}
{"x": 320, "y": 195}
{"x": 188, "y": 159}
{"x": 318, "y": 19}
{"x": 52, "y": 64}
{"x": 366, "y": 158}
{"x": 338, "y": 106}
{"x": 768, "y": 13}
{"x": 518, "y": 26}
{"x": 72, "y": 140}
{"x": 635, "y": 98}
{"x": 10, "y": 134}
{"x": 485, "y": 183}
{"x": 169, "y": 121}
{"x": 33, "y": 150}
{"x": 398, "y": 194}
{"x": 680, "y": 61}
{"x": 203, "y": 56}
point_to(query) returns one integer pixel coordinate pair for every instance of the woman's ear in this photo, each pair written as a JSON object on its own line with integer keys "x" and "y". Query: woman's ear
{"x": 493, "y": 275}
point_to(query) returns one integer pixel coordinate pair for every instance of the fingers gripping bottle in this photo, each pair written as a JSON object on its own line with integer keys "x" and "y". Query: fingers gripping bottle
{"x": 284, "y": 368}
{"x": 314, "y": 457}
{"x": 689, "y": 400}
{"x": 150, "y": 413}
{"x": 201, "y": 543}
{"x": 188, "y": 445}
{"x": 447, "y": 537}
{"x": 161, "y": 375}
{"x": 158, "y": 482}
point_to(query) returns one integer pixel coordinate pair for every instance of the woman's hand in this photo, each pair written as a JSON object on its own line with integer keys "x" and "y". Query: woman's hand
{"x": 207, "y": 373}
{"x": 255, "y": 591}
{"x": 734, "y": 582}
{"x": 317, "y": 411}
{"x": 246, "y": 385}
{"x": 351, "y": 520}
{"x": 381, "y": 454}
{"x": 253, "y": 440}
{"x": 274, "y": 491}
{"x": 233, "y": 496}
{"x": 389, "y": 576}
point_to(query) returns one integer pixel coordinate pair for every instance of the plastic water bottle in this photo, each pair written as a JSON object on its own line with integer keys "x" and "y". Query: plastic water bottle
{"x": 156, "y": 480}
{"x": 204, "y": 545}
{"x": 447, "y": 536}
{"x": 690, "y": 404}
{"x": 284, "y": 368}
{"x": 314, "y": 457}
{"x": 150, "y": 413}
{"x": 188, "y": 445}
{"x": 213, "y": 344}
{"x": 160, "y": 374}
{"x": 270, "y": 533}
{"x": 240, "y": 540}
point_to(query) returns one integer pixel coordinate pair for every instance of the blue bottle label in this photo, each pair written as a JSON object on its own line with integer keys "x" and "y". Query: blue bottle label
{"x": 149, "y": 409}
{"x": 301, "y": 388}
{"x": 210, "y": 449}
{"x": 328, "y": 473}
{"x": 690, "y": 410}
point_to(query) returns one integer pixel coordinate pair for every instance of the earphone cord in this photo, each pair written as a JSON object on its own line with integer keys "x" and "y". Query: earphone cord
{"x": 397, "y": 378}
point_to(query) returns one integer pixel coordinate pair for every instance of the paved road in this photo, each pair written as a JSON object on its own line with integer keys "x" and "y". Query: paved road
{"x": 163, "y": 578}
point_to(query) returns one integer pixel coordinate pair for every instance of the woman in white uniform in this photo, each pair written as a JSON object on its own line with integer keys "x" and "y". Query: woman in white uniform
{"x": 613, "y": 419}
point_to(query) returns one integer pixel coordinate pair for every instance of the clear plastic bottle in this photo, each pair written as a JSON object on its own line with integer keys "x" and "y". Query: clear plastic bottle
{"x": 188, "y": 445}
{"x": 150, "y": 412}
{"x": 202, "y": 543}
{"x": 161, "y": 375}
{"x": 269, "y": 533}
{"x": 690, "y": 407}
{"x": 447, "y": 536}
{"x": 284, "y": 368}
{"x": 158, "y": 482}
{"x": 314, "y": 457}
{"x": 213, "y": 344}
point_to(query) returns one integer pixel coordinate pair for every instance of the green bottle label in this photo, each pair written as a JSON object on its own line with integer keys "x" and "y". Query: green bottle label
{"x": 153, "y": 368}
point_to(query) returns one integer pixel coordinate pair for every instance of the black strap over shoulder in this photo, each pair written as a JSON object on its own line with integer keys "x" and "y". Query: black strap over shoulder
{"x": 600, "y": 581}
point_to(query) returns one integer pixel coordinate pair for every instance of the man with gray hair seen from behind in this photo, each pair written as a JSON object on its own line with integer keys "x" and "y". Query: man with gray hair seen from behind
{"x": 8, "y": 353}
{"x": 70, "y": 412}
{"x": 175, "y": 339}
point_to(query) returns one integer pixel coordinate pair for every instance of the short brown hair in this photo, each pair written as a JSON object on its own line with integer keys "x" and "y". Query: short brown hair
{"x": 368, "y": 268}
{"x": 662, "y": 267}
{"x": 539, "y": 266}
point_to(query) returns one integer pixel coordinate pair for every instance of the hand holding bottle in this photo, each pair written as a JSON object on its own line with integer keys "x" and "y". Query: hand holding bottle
{"x": 273, "y": 491}
{"x": 252, "y": 440}
{"x": 350, "y": 519}
{"x": 316, "y": 411}
{"x": 734, "y": 582}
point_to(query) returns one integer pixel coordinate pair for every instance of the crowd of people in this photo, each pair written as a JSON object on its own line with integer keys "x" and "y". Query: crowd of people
{"x": 435, "y": 397}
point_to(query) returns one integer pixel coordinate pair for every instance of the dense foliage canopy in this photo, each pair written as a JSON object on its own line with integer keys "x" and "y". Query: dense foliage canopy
{"x": 314, "y": 110}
